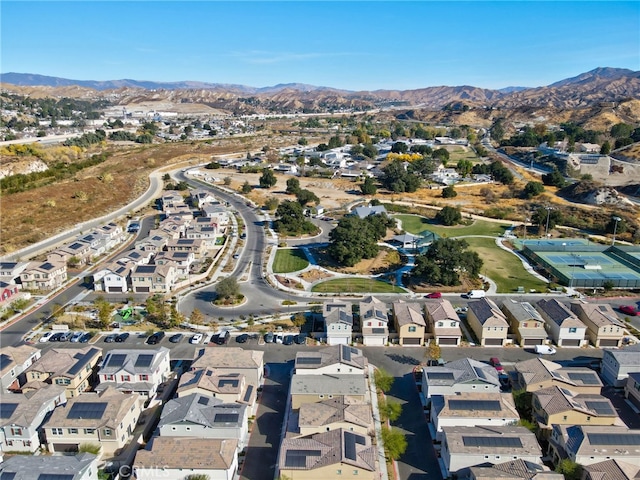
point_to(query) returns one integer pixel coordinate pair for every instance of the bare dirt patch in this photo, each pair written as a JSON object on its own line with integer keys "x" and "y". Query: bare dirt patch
{"x": 314, "y": 275}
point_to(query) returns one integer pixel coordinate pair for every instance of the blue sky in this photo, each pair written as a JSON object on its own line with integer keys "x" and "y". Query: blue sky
{"x": 352, "y": 45}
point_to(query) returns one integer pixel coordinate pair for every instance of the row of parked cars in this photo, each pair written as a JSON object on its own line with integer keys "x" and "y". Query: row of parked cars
{"x": 76, "y": 337}
{"x": 299, "y": 339}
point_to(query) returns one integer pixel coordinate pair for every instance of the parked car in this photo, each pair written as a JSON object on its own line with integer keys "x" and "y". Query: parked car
{"x": 176, "y": 338}
{"x": 155, "y": 338}
{"x": 495, "y": 363}
{"x": 629, "y": 310}
{"x": 236, "y": 256}
{"x": 279, "y": 338}
{"x": 86, "y": 337}
{"x": 269, "y": 337}
{"x": 122, "y": 337}
{"x": 288, "y": 340}
{"x": 110, "y": 338}
{"x": 76, "y": 336}
{"x": 545, "y": 350}
{"x": 300, "y": 339}
{"x": 220, "y": 338}
{"x": 197, "y": 338}
{"x": 433, "y": 295}
{"x": 46, "y": 337}
{"x": 242, "y": 338}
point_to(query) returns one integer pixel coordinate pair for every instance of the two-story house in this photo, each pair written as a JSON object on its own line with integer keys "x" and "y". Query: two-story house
{"x": 443, "y": 322}
{"x": 78, "y": 250}
{"x": 10, "y": 271}
{"x": 153, "y": 243}
{"x": 217, "y": 213}
{"x": 604, "y": 328}
{"x": 335, "y": 413}
{"x": 338, "y": 321}
{"x": 200, "y": 197}
{"x": 339, "y": 359}
{"x": 44, "y": 276}
{"x": 525, "y": 321}
{"x": 488, "y": 322}
{"x": 153, "y": 278}
{"x": 134, "y": 370}
{"x": 113, "y": 278}
{"x": 316, "y": 388}
{"x": 73, "y": 368}
{"x": 632, "y": 388}
{"x": 106, "y": 419}
{"x": 227, "y": 387}
{"x": 618, "y": 363}
{"x": 22, "y": 415}
{"x": 374, "y": 318}
{"x": 564, "y": 328}
{"x": 610, "y": 470}
{"x": 249, "y": 363}
{"x": 537, "y": 373}
{"x": 409, "y": 323}
{"x": 190, "y": 245}
{"x": 464, "y": 375}
{"x": 515, "y": 470}
{"x": 83, "y": 466}
{"x": 181, "y": 261}
{"x": 13, "y": 362}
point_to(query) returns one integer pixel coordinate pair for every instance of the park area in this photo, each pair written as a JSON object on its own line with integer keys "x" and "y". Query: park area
{"x": 289, "y": 260}
{"x": 356, "y": 285}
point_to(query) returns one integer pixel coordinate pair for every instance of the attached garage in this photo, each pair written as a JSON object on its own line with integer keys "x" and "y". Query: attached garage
{"x": 142, "y": 289}
{"x": 65, "y": 447}
{"x": 374, "y": 341}
{"x": 338, "y": 340}
{"x": 448, "y": 341}
{"x": 416, "y": 342}
{"x": 533, "y": 341}
{"x": 609, "y": 342}
{"x": 115, "y": 290}
{"x": 571, "y": 343}
{"x": 493, "y": 341}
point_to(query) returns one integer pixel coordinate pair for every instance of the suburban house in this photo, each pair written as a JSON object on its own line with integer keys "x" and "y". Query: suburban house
{"x": 153, "y": 243}
{"x": 217, "y": 214}
{"x": 13, "y": 362}
{"x": 22, "y": 415}
{"x": 632, "y": 388}
{"x": 364, "y": 212}
{"x": 73, "y": 368}
{"x": 374, "y": 318}
{"x": 83, "y": 466}
{"x": 202, "y": 416}
{"x": 191, "y": 245}
{"x": 604, "y": 329}
{"x": 470, "y": 409}
{"x": 78, "y": 250}
{"x": 409, "y": 323}
{"x": 564, "y": 328}
{"x": 525, "y": 322}
{"x": 515, "y": 470}
{"x": 316, "y": 388}
{"x": 618, "y": 363}
{"x": 613, "y": 469}
{"x": 200, "y": 197}
{"x": 113, "y": 278}
{"x": 113, "y": 232}
{"x": 229, "y": 387}
{"x": 249, "y": 363}
{"x": 181, "y": 261}
{"x": 488, "y": 323}
{"x": 136, "y": 257}
{"x": 10, "y": 271}
{"x": 443, "y": 322}
{"x": 9, "y": 292}
{"x": 335, "y": 413}
{"x": 339, "y": 359}
{"x": 134, "y": 370}
{"x": 212, "y": 458}
{"x": 587, "y": 445}
{"x": 43, "y": 276}
{"x": 536, "y": 373}
{"x": 560, "y": 406}
{"x": 338, "y": 321}
{"x": 464, "y": 447}
{"x": 464, "y": 375}
{"x": 106, "y": 419}
{"x": 328, "y": 455}
{"x": 153, "y": 278}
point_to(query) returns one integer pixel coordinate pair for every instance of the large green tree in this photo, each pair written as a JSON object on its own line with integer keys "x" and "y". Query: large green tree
{"x": 449, "y": 216}
{"x": 291, "y": 219}
{"x": 228, "y": 287}
{"x": 445, "y": 260}
{"x": 293, "y": 186}
{"x": 368, "y": 187}
{"x": 267, "y": 179}
{"x": 398, "y": 179}
{"x": 356, "y": 238}
{"x": 532, "y": 189}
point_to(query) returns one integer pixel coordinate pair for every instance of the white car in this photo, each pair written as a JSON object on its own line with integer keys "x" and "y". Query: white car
{"x": 545, "y": 350}
{"x": 279, "y": 338}
{"x": 76, "y": 336}
{"x": 45, "y": 338}
{"x": 197, "y": 338}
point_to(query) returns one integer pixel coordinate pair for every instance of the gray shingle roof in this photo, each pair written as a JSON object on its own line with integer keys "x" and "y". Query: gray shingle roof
{"x": 28, "y": 467}
{"x": 201, "y": 409}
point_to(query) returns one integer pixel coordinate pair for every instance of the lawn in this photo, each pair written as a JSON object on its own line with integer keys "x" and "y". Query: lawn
{"x": 356, "y": 285}
{"x": 415, "y": 224}
{"x": 504, "y": 268}
{"x": 289, "y": 260}
{"x": 461, "y": 153}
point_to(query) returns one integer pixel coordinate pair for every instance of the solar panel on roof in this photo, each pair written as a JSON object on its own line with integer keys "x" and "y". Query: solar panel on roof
{"x": 7, "y": 475}
{"x": 203, "y": 401}
{"x": 116, "y": 360}
{"x": 226, "y": 418}
{"x": 350, "y": 446}
{"x": 346, "y": 353}
{"x": 584, "y": 377}
{"x": 143, "y": 361}
{"x": 5, "y": 361}
{"x": 248, "y": 393}
{"x": 308, "y": 360}
{"x": 55, "y": 476}
{"x": 480, "y": 372}
{"x": 7, "y": 409}
{"x": 92, "y": 410}
{"x": 614, "y": 438}
{"x": 440, "y": 375}
{"x": 224, "y": 382}
{"x": 298, "y": 458}
{"x": 457, "y": 404}
{"x": 469, "y": 441}
{"x": 145, "y": 268}
{"x": 46, "y": 266}
{"x": 600, "y": 407}
{"x": 83, "y": 359}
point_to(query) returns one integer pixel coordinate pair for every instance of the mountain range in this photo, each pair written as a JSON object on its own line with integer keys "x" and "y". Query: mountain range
{"x": 603, "y": 84}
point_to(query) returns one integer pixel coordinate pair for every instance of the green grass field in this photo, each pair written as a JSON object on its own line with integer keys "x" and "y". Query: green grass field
{"x": 356, "y": 285}
{"x": 415, "y": 224}
{"x": 503, "y": 267}
{"x": 459, "y": 153}
{"x": 289, "y": 260}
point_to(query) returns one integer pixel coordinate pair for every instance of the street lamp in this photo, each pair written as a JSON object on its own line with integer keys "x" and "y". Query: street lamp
{"x": 546, "y": 228}
{"x": 615, "y": 228}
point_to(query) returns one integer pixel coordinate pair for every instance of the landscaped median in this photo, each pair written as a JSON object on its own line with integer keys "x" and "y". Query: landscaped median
{"x": 289, "y": 260}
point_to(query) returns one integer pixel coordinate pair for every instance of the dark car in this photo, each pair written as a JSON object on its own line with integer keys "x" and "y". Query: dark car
{"x": 268, "y": 337}
{"x": 56, "y": 337}
{"x": 155, "y": 338}
{"x": 300, "y": 339}
{"x": 176, "y": 338}
{"x": 110, "y": 338}
{"x": 242, "y": 338}
{"x": 221, "y": 338}
{"x": 122, "y": 337}
{"x": 288, "y": 340}
{"x": 86, "y": 337}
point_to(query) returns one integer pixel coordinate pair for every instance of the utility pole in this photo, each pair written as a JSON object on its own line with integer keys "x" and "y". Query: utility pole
{"x": 546, "y": 229}
{"x": 615, "y": 229}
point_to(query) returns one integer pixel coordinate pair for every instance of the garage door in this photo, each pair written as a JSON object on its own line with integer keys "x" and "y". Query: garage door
{"x": 338, "y": 341}
{"x": 142, "y": 290}
{"x": 533, "y": 341}
{"x": 493, "y": 341}
{"x": 412, "y": 341}
{"x": 608, "y": 342}
{"x": 374, "y": 341}
{"x": 115, "y": 290}
{"x": 448, "y": 341}
{"x": 571, "y": 343}
{"x": 65, "y": 447}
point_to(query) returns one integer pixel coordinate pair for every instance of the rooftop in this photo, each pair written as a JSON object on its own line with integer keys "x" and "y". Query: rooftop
{"x": 232, "y": 357}
{"x": 328, "y": 385}
{"x": 330, "y": 356}
{"x": 43, "y": 467}
{"x": 559, "y": 313}
{"x": 488, "y": 313}
{"x": 408, "y": 313}
{"x": 133, "y": 361}
{"x": 65, "y": 361}
{"x": 204, "y": 410}
{"x": 507, "y": 440}
{"x": 196, "y": 454}
{"x": 338, "y": 409}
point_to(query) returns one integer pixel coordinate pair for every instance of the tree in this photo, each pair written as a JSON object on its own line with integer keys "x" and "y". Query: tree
{"x": 399, "y": 147}
{"x": 605, "y": 149}
{"x": 445, "y": 260}
{"x": 267, "y": 179}
{"x": 449, "y": 192}
{"x": 389, "y": 410}
{"x": 302, "y": 141}
{"x": 383, "y": 380}
{"x": 271, "y": 203}
{"x": 227, "y": 181}
{"x": 228, "y": 288}
{"x": 464, "y": 167}
{"x": 619, "y": 226}
{"x": 293, "y": 186}
{"x": 570, "y": 469}
{"x": 291, "y": 219}
{"x": 299, "y": 319}
{"x": 441, "y": 153}
{"x": 370, "y": 151}
{"x": 395, "y": 443}
{"x": 621, "y": 130}
{"x": 306, "y": 196}
{"x": 532, "y": 189}
{"x": 196, "y": 317}
{"x": 368, "y": 187}
{"x": 433, "y": 351}
{"x": 397, "y": 179}
{"x": 554, "y": 178}
{"x": 608, "y": 285}
{"x": 335, "y": 142}
{"x": 246, "y": 187}
{"x": 539, "y": 217}
{"x": 356, "y": 238}
{"x": 449, "y": 216}
{"x": 105, "y": 311}
{"x": 175, "y": 317}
